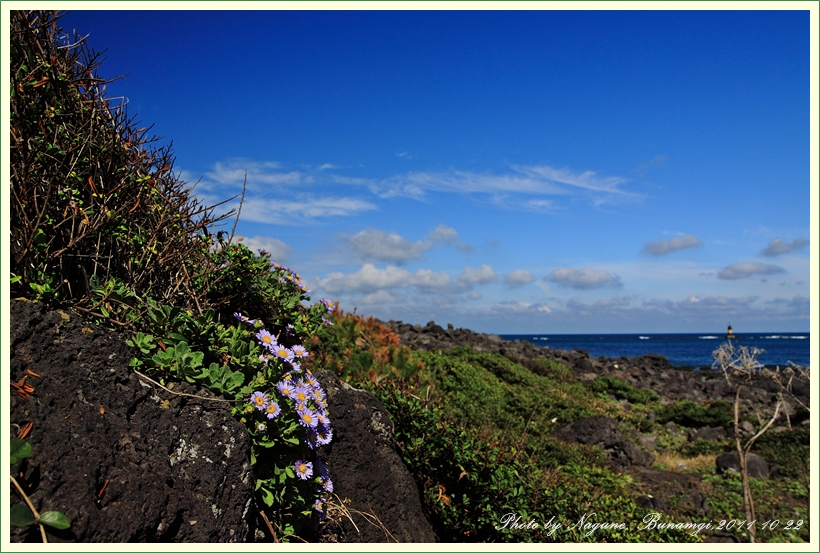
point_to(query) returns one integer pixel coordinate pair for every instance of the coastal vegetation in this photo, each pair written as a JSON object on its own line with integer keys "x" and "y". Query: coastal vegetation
{"x": 101, "y": 225}
{"x": 479, "y": 426}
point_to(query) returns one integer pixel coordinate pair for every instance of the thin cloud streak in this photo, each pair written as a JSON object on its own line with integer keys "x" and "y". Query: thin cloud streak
{"x": 736, "y": 271}
{"x": 778, "y": 247}
{"x": 664, "y": 247}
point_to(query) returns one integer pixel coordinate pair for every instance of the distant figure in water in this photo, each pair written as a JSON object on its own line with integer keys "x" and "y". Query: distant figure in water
{"x": 729, "y": 334}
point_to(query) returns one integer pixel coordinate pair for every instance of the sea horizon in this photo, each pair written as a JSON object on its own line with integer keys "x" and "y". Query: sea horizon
{"x": 682, "y": 349}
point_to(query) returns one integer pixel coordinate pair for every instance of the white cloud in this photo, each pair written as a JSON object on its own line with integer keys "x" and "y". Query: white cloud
{"x": 369, "y": 279}
{"x": 778, "y": 247}
{"x": 538, "y": 180}
{"x": 260, "y": 175}
{"x": 301, "y": 210}
{"x": 277, "y": 249}
{"x": 382, "y": 297}
{"x": 583, "y": 279}
{"x": 663, "y": 246}
{"x": 483, "y": 275}
{"x": 518, "y": 278}
{"x": 443, "y": 233}
{"x": 389, "y": 247}
{"x": 737, "y": 271}
{"x": 449, "y": 235}
{"x": 586, "y": 180}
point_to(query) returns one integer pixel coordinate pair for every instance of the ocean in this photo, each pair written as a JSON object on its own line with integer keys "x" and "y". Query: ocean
{"x": 682, "y": 350}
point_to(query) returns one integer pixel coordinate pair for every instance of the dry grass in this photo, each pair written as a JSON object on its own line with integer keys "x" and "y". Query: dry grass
{"x": 678, "y": 463}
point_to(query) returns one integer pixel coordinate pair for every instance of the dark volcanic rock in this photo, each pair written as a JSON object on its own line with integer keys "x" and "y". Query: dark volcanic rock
{"x": 755, "y": 464}
{"x": 368, "y": 474}
{"x": 651, "y": 503}
{"x": 121, "y": 463}
{"x": 604, "y": 432}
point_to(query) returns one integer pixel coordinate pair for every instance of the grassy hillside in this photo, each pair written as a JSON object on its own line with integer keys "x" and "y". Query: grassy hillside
{"x": 475, "y": 430}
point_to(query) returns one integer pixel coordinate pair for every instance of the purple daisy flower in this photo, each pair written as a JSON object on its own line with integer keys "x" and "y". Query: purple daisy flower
{"x": 259, "y": 400}
{"x": 320, "y": 468}
{"x": 282, "y": 352}
{"x": 261, "y": 427}
{"x": 321, "y": 415}
{"x": 321, "y": 506}
{"x": 307, "y": 417}
{"x": 312, "y": 439}
{"x": 285, "y": 388}
{"x": 327, "y": 485}
{"x": 301, "y": 394}
{"x": 326, "y": 321}
{"x": 317, "y": 394}
{"x": 266, "y": 339}
{"x": 272, "y": 410}
{"x": 299, "y": 351}
{"x": 329, "y": 305}
{"x": 304, "y": 470}
{"x": 324, "y": 435}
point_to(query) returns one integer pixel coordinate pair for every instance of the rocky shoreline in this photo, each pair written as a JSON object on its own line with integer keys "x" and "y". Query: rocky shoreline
{"x": 647, "y": 372}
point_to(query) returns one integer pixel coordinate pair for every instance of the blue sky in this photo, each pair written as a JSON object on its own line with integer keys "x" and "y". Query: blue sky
{"x": 505, "y": 171}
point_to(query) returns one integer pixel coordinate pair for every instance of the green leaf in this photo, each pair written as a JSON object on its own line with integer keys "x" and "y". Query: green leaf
{"x": 267, "y": 497}
{"x": 20, "y": 449}
{"x": 104, "y": 311}
{"x": 55, "y": 519}
{"x": 21, "y": 515}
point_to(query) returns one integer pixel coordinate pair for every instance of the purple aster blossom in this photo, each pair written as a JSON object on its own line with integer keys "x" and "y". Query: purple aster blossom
{"x": 282, "y": 352}
{"x": 321, "y": 506}
{"x": 301, "y": 394}
{"x": 320, "y": 468}
{"x": 304, "y": 470}
{"x": 329, "y": 305}
{"x": 263, "y": 358}
{"x": 326, "y": 321}
{"x": 259, "y": 400}
{"x": 299, "y": 351}
{"x": 317, "y": 394}
{"x": 266, "y": 339}
{"x": 272, "y": 410}
{"x": 295, "y": 367}
{"x": 311, "y": 381}
{"x": 307, "y": 417}
{"x": 261, "y": 427}
{"x": 312, "y": 438}
{"x": 321, "y": 415}
{"x": 286, "y": 388}
{"x": 327, "y": 485}
{"x": 324, "y": 435}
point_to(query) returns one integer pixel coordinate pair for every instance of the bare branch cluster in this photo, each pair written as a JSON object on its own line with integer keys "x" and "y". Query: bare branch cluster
{"x": 92, "y": 195}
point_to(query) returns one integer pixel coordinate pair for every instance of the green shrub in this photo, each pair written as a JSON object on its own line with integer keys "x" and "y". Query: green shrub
{"x": 621, "y": 390}
{"x": 707, "y": 447}
{"x": 688, "y": 413}
{"x": 788, "y": 449}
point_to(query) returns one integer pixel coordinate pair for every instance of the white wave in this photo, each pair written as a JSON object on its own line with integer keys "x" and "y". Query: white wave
{"x": 798, "y": 337}
{"x": 775, "y": 337}
{"x": 708, "y": 337}
{"x": 644, "y": 337}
